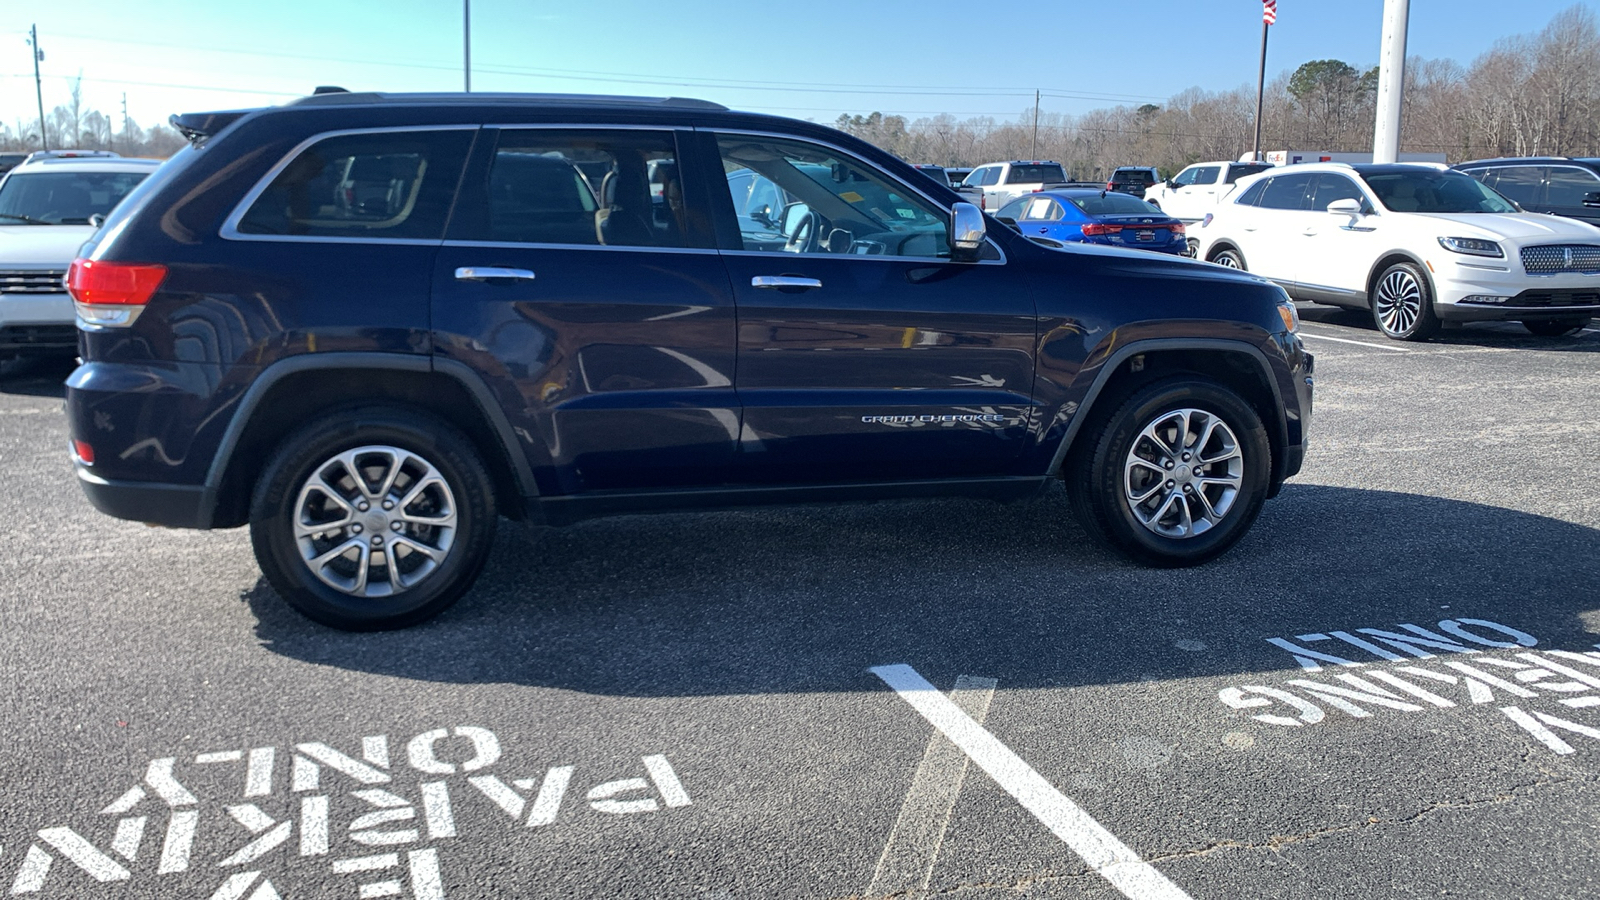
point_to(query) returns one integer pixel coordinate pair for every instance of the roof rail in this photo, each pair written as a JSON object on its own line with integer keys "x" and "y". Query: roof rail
{"x": 71, "y": 154}
{"x": 342, "y": 97}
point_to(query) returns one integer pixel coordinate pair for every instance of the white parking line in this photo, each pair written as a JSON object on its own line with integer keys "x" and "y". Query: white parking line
{"x": 906, "y": 866}
{"x": 1112, "y": 859}
{"x": 1324, "y": 337}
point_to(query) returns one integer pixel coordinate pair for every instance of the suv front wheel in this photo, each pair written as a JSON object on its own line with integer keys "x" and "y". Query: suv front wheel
{"x": 372, "y": 518}
{"x": 1177, "y": 474}
{"x": 1402, "y": 303}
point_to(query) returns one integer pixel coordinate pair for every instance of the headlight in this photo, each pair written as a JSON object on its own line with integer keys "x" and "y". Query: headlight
{"x": 1471, "y": 246}
{"x": 1290, "y": 315}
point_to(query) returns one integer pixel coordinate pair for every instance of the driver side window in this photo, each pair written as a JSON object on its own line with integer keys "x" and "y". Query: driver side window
{"x": 817, "y": 200}
{"x": 1186, "y": 177}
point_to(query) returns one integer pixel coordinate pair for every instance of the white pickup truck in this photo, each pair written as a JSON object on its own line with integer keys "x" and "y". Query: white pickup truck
{"x": 1191, "y": 194}
{"x": 1003, "y": 182}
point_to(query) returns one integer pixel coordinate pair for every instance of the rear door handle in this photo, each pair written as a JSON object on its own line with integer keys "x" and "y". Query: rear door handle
{"x": 486, "y": 273}
{"x": 784, "y": 282}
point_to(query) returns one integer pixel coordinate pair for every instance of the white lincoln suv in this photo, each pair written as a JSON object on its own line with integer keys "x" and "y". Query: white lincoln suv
{"x": 1415, "y": 243}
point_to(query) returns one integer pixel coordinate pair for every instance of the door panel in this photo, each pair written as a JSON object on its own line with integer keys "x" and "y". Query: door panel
{"x": 574, "y": 284}
{"x": 896, "y": 362}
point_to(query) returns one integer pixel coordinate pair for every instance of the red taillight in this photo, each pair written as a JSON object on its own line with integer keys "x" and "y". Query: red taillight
{"x": 83, "y": 451}
{"x": 101, "y": 283}
{"x": 1095, "y": 229}
{"x": 1179, "y": 228}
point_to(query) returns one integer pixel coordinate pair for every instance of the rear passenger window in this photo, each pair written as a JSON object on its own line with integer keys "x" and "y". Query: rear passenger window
{"x": 1567, "y": 185}
{"x": 1207, "y": 174}
{"x": 1286, "y": 192}
{"x": 373, "y": 185}
{"x": 1524, "y": 184}
{"x": 597, "y": 188}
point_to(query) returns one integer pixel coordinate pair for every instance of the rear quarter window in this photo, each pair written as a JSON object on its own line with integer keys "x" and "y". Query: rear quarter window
{"x": 1035, "y": 174}
{"x": 381, "y": 185}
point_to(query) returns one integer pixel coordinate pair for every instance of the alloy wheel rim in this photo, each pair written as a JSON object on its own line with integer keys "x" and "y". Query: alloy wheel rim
{"x": 1399, "y": 302}
{"x": 1227, "y": 261}
{"x": 374, "y": 521}
{"x": 1183, "y": 473}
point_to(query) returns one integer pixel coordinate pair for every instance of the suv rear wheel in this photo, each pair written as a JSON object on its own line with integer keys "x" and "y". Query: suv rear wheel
{"x": 372, "y": 518}
{"x": 1177, "y": 474}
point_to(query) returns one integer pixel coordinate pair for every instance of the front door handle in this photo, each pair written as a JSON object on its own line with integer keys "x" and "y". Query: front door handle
{"x": 486, "y": 273}
{"x": 784, "y": 283}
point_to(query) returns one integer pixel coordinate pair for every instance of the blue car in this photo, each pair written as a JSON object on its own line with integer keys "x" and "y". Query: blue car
{"x": 1090, "y": 216}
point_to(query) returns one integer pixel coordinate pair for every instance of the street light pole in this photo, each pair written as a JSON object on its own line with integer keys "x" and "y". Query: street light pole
{"x": 466, "y": 44}
{"x": 1261, "y": 90}
{"x": 1391, "y": 81}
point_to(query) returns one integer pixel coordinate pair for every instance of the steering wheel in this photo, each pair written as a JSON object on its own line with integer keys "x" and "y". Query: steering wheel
{"x": 807, "y": 234}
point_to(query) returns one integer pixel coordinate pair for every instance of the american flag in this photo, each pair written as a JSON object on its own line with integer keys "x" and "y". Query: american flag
{"x": 1269, "y": 11}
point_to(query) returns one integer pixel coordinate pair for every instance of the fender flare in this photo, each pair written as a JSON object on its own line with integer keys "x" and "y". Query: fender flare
{"x": 1112, "y": 363}
{"x": 1373, "y": 273}
{"x": 395, "y": 362}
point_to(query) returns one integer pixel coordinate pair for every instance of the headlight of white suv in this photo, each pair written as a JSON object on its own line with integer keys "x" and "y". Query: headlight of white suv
{"x": 1471, "y": 246}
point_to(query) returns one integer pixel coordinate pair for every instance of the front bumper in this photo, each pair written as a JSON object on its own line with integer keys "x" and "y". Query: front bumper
{"x": 1481, "y": 293}
{"x": 37, "y": 322}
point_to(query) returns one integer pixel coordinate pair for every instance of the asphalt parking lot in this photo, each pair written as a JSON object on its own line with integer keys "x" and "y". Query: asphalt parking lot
{"x": 1382, "y": 691}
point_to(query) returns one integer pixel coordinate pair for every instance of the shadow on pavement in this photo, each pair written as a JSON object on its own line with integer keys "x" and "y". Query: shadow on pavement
{"x": 803, "y": 600}
{"x": 36, "y": 376}
{"x": 1474, "y": 334}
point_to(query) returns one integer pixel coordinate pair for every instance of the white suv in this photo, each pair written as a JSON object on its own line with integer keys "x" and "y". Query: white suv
{"x": 1415, "y": 243}
{"x": 49, "y": 206}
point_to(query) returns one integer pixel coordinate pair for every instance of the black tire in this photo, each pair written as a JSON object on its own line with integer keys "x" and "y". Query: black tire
{"x": 412, "y": 443}
{"x": 1402, "y": 303}
{"x": 1555, "y": 327}
{"x": 1229, "y": 258}
{"x": 1099, "y": 484}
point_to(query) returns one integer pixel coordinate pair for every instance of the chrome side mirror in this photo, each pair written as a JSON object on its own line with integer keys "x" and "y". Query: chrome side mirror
{"x": 967, "y": 232}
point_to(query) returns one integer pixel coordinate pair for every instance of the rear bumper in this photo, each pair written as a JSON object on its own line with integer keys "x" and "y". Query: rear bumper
{"x": 171, "y": 505}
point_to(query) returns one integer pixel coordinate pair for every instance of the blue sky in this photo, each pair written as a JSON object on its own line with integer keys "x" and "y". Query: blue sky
{"x": 913, "y": 59}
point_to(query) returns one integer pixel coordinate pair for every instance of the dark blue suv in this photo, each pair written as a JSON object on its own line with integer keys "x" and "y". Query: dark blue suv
{"x": 370, "y": 325}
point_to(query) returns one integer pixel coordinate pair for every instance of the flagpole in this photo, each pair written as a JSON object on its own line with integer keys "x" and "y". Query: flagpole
{"x": 1261, "y": 85}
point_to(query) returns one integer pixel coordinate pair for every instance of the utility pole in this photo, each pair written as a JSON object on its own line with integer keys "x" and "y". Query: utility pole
{"x": 38, "y": 89}
{"x": 1269, "y": 14}
{"x": 1033, "y": 149}
{"x": 1391, "y": 81}
{"x": 126, "y": 146}
{"x": 466, "y": 44}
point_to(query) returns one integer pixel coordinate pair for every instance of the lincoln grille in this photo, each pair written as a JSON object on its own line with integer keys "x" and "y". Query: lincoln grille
{"x": 1548, "y": 259}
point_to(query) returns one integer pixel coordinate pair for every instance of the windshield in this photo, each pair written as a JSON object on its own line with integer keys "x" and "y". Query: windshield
{"x": 63, "y": 198}
{"x": 1431, "y": 191}
{"x": 1113, "y": 204}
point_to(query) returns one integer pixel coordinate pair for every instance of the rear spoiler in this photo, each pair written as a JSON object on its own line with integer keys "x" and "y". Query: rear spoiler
{"x": 197, "y": 127}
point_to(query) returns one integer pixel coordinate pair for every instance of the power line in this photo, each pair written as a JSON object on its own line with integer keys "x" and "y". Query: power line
{"x": 641, "y": 78}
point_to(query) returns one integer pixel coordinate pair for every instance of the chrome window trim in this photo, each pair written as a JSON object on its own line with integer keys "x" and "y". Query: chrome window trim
{"x": 890, "y": 178}
{"x": 515, "y": 245}
{"x": 575, "y": 126}
{"x": 230, "y": 226}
